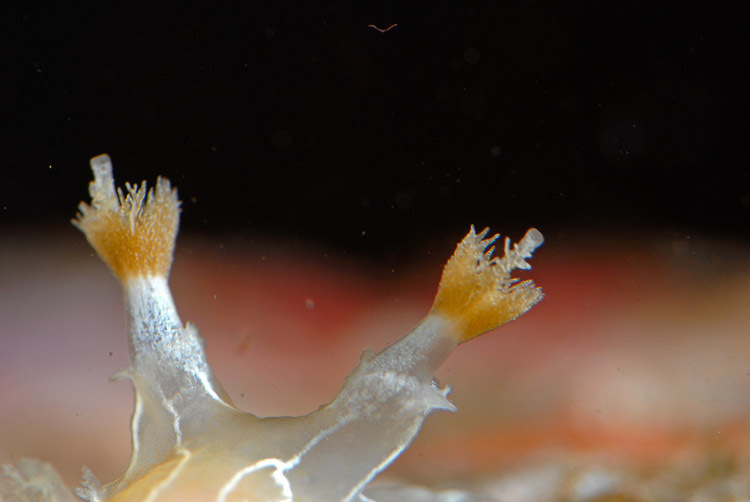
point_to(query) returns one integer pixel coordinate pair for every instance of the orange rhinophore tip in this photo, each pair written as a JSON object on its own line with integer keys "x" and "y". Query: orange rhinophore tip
{"x": 476, "y": 290}
{"x": 134, "y": 233}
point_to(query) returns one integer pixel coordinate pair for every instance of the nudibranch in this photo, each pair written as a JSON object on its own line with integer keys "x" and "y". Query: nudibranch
{"x": 191, "y": 443}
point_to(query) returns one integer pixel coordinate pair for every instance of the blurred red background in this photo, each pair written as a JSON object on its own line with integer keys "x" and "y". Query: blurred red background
{"x": 639, "y": 351}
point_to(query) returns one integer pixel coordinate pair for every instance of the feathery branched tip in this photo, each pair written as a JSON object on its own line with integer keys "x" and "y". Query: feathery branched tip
{"x": 476, "y": 290}
{"x": 133, "y": 233}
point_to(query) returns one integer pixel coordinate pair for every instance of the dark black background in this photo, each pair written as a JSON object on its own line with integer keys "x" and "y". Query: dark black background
{"x": 297, "y": 119}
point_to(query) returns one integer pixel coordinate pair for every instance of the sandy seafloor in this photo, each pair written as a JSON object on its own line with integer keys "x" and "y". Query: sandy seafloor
{"x": 630, "y": 381}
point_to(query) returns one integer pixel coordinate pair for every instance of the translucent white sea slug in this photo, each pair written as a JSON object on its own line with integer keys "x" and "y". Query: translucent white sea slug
{"x": 191, "y": 443}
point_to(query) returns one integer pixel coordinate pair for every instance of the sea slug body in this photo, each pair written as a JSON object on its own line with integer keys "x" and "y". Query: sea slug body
{"x": 191, "y": 443}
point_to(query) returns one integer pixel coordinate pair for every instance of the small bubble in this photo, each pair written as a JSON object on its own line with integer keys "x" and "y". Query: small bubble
{"x": 471, "y": 55}
{"x": 495, "y": 151}
{"x": 282, "y": 139}
{"x": 309, "y": 303}
{"x": 441, "y": 95}
{"x": 404, "y": 200}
